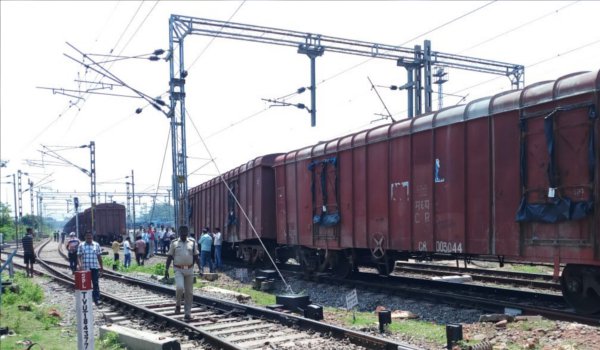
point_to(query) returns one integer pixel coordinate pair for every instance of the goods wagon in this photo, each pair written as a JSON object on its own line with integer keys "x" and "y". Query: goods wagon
{"x": 213, "y": 205}
{"x": 513, "y": 176}
{"x": 109, "y": 219}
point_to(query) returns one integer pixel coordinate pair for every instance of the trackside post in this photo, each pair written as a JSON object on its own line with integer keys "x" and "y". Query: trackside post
{"x": 84, "y": 309}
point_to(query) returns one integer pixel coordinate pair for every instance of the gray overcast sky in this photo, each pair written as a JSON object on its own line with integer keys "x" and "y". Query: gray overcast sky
{"x": 228, "y": 79}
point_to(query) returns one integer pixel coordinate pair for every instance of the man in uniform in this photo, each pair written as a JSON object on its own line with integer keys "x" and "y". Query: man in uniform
{"x": 184, "y": 253}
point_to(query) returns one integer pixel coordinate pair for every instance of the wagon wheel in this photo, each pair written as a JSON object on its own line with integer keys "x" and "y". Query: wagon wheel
{"x": 385, "y": 265}
{"x": 581, "y": 288}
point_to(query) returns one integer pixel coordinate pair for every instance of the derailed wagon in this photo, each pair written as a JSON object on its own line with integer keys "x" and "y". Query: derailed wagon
{"x": 512, "y": 176}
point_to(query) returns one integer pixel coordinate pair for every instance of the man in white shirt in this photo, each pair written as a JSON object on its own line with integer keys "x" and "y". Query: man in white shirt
{"x": 218, "y": 242}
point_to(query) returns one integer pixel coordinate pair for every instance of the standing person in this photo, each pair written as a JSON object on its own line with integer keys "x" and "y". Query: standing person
{"x": 160, "y": 234}
{"x": 218, "y": 243}
{"x": 116, "y": 247}
{"x": 140, "y": 250}
{"x": 184, "y": 254}
{"x": 90, "y": 258}
{"x": 166, "y": 242}
{"x": 127, "y": 252}
{"x": 62, "y": 237}
{"x": 205, "y": 250}
{"x": 72, "y": 246}
{"x": 28, "y": 253}
{"x": 146, "y": 239}
{"x": 152, "y": 238}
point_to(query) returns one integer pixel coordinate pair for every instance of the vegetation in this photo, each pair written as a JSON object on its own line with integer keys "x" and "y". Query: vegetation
{"x": 154, "y": 269}
{"x": 23, "y": 311}
{"x": 7, "y": 223}
{"x": 259, "y": 297}
{"x": 431, "y": 332}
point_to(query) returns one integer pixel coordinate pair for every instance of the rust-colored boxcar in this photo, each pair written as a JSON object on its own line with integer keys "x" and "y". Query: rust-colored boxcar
{"x": 511, "y": 176}
{"x": 214, "y": 206}
{"x": 109, "y": 221}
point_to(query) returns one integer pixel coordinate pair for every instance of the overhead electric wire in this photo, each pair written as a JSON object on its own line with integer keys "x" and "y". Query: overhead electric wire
{"x": 407, "y": 41}
{"x": 558, "y": 55}
{"x": 160, "y": 174}
{"x": 242, "y": 210}
{"x": 139, "y": 26}
{"x": 518, "y": 27}
{"x": 127, "y": 27}
{"x": 214, "y": 37}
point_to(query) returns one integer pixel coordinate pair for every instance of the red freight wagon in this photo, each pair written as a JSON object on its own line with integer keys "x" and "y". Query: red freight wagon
{"x": 214, "y": 206}
{"x": 109, "y": 220}
{"x": 513, "y": 176}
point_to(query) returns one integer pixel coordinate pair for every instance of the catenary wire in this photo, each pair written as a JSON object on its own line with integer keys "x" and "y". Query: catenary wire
{"x": 214, "y": 37}
{"x": 160, "y": 174}
{"x": 288, "y": 286}
{"x": 518, "y": 27}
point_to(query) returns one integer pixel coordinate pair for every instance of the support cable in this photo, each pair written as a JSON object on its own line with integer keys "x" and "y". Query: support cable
{"x": 162, "y": 166}
{"x": 288, "y": 287}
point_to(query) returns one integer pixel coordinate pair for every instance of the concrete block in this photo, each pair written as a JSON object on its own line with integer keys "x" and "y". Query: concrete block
{"x": 454, "y": 279}
{"x": 136, "y": 339}
{"x": 236, "y": 295}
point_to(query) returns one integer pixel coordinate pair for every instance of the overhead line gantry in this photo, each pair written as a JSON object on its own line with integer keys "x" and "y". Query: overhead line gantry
{"x": 417, "y": 61}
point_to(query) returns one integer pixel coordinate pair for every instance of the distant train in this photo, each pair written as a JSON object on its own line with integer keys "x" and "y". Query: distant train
{"x": 512, "y": 176}
{"x": 109, "y": 220}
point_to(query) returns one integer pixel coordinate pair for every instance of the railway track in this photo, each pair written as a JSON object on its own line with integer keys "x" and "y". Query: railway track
{"x": 491, "y": 299}
{"x": 217, "y": 323}
{"x": 533, "y": 281}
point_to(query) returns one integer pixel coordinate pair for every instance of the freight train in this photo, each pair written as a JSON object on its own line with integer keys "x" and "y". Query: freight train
{"x": 109, "y": 219}
{"x": 513, "y": 177}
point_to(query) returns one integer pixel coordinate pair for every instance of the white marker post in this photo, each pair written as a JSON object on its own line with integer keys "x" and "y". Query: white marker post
{"x": 84, "y": 309}
{"x": 351, "y": 302}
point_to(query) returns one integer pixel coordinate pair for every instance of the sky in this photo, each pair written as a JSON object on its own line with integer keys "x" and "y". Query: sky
{"x": 228, "y": 80}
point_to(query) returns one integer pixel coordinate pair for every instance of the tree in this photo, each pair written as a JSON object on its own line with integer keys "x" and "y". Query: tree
{"x": 5, "y": 218}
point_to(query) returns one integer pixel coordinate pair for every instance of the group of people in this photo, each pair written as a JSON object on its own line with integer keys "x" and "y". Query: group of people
{"x": 183, "y": 252}
{"x": 148, "y": 240}
{"x": 59, "y": 235}
{"x": 210, "y": 244}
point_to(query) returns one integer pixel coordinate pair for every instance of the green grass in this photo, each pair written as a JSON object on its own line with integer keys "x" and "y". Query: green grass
{"x": 259, "y": 297}
{"x": 417, "y": 329}
{"x": 154, "y": 269}
{"x": 33, "y": 322}
{"x": 530, "y": 269}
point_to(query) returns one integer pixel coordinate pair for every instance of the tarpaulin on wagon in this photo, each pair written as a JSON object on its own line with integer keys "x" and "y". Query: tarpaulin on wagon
{"x": 560, "y": 208}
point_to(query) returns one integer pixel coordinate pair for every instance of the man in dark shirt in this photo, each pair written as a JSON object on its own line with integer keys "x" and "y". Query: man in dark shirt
{"x": 28, "y": 253}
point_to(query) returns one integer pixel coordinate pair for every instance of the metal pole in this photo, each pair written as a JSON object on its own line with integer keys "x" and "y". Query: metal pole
{"x": 427, "y": 75}
{"x": 410, "y": 92}
{"x": 31, "y": 194}
{"x": 16, "y": 213}
{"x": 133, "y": 197}
{"x": 76, "y": 204}
{"x": 128, "y": 207}
{"x": 313, "y": 92}
{"x": 20, "y": 192}
{"x": 93, "y": 184}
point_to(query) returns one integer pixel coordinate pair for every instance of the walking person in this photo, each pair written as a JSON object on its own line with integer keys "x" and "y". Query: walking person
{"x": 218, "y": 243}
{"x": 28, "y": 253}
{"x": 72, "y": 246}
{"x": 183, "y": 253}
{"x": 127, "y": 252}
{"x": 205, "y": 250}
{"x": 116, "y": 247}
{"x": 166, "y": 241}
{"x": 90, "y": 258}
{"x": 140, "y": 251}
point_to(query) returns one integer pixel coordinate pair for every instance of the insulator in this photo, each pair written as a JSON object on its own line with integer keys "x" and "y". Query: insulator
{"x": 158, "y": 52}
